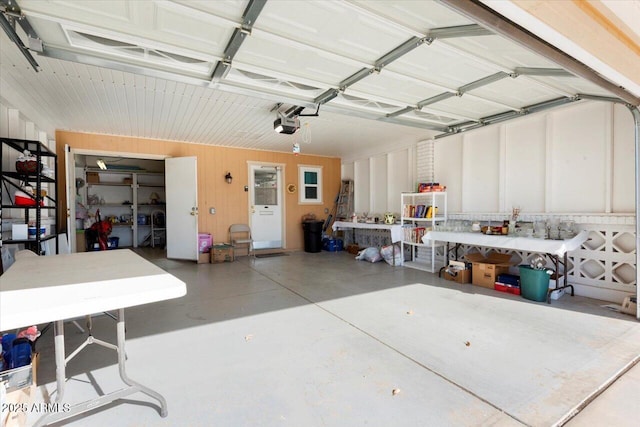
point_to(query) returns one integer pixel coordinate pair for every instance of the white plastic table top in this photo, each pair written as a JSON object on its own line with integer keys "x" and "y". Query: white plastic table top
{"x": 42, "y": 289}
{"x": 553, "y": 247}
{"x": 395, "y": 229}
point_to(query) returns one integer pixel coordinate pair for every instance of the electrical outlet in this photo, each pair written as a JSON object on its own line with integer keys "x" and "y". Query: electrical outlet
{"x": 212, "y": 211}
{"x": 326, "y": 210}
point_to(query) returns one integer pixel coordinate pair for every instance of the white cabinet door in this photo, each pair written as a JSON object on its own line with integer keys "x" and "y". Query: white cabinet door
{"x": 181, "y": 184}
{"x": 70, "y": 176}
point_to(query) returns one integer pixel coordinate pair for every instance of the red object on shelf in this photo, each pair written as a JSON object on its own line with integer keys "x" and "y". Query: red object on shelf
{"x": 23, "y": 199}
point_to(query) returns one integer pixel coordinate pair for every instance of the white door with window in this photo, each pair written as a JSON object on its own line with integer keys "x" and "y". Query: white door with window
{"x": 265, "y": 205}
{"x": 181, "y": 186}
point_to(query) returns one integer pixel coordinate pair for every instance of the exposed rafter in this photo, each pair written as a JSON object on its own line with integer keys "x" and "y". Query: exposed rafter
{"x": 477, "y": 12}
{"x": 508, "y": 115}
{"x": 249, "y": 17}
{"x": 10, "y": 14}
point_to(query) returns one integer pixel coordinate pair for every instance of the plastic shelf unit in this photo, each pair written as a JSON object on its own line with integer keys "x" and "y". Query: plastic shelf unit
{"x": 421, "y": 213}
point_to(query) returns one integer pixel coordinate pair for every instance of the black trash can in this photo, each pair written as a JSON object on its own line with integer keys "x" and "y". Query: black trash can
{"x": 312, "y": 235}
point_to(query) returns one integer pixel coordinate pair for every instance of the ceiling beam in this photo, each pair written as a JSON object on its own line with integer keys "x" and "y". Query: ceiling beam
{"x": 13, "y": 36}
{"x": 485, "y": 16}
{"x": 249, "y": 17}
{"x": 482, "y": 82}
{"x": 547, "y": 72}
{"x": 472, "y": 30}
{"x": 507, "y": 115}
{"x": 411, "y": 44}
{"x": 99, "y": 61}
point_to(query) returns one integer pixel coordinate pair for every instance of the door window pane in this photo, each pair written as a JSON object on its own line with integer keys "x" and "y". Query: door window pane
{"x": 266, "y": 187}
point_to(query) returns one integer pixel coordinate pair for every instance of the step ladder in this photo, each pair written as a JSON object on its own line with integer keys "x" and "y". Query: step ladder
{"x": 344, "y": 201}
{"x": 343, "y": 206}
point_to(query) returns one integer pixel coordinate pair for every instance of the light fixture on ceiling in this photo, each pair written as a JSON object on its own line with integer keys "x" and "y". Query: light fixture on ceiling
{"x": 228, "y": 178}
{"x": 101, "y": 164}
{"x": 286, "y": 125}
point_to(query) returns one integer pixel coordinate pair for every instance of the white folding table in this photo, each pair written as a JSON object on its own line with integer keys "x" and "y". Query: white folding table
{"x": 554, "y": 249}
{"x": 46, "y": 289}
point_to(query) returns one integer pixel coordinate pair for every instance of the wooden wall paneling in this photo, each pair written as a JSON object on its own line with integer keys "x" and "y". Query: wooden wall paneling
{"x": 379, "y": 184}
{"x": 623, "y": 177}
{"x": 525, "y": 165}
{"x": 481, "y": 170}
{"x": 231, "y": 201}
{"x": 548, "y": 167}
{"x": 502, "y": 160}
{"x": 398, "y": 178}
{"x": 362, "y": 188}
{"x": 448, "y": 169}
{"x": 578, "y": 159}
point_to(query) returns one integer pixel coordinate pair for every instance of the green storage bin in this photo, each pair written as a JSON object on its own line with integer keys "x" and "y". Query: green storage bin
{"x": 534, "y": 284}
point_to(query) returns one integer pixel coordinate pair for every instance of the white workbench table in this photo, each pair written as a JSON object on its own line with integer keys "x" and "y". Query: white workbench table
{"x": 515, "y": 243}
{"x": 555, "y": 249}
{"x": 394, "y": 229}
{"x": 54, "y": 288}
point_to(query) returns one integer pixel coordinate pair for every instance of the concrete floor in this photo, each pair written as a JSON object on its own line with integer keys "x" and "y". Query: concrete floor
{"x": 323, "y": 340}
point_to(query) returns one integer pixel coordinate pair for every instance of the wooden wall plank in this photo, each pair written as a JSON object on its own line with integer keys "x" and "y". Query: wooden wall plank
{"x": 230, "y": 200}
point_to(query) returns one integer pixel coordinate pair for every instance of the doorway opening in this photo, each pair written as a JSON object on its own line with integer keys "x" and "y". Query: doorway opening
{"x": 127, "y": 192}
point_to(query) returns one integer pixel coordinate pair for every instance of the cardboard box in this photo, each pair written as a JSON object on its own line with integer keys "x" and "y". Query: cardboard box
{"x": 20, "y": 384}
{"x": 19, "y": 231}
{"x": 127, "y": 181}
{"x": 93, "y": 177}
{"x": 630, "y": 306}
{"x": 353, "y": 249}
{"x": 221, "y": 253}
{"x": 463, "y": 276}
{"x": 485, "y": 270}
{"x": 203, "y": 257}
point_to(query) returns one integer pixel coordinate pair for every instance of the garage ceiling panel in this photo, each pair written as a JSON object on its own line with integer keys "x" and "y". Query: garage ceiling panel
{"x": 469, "y": 107}
{"x": 330, "y": 26}
{"x": 500, "y": 51}
{"x": 260, "y": 79}
{"x": 574, "y": 85}
{"x": 516, "y": 92}
{"x": 441, "y": 67}
{"x": 389, "y": 85}
{"x": 417, "y": 15}
{"x": 296, "y": 60}
{"x": 318, "y": 54}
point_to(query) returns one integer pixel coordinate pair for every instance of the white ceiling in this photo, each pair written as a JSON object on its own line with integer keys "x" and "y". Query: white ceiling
{"x": 144, "y": 69}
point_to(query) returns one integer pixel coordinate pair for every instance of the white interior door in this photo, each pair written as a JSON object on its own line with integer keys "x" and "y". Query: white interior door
{"x": 181, "y": 186}
{"x": 70, "y": 177}
{"x": 265, "y": 205}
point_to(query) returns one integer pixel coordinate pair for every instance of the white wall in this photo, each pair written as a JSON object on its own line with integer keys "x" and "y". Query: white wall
{"x": 380, "y": 179}
{"x": 578, "y": 159}
{"x": 575, "y": 163}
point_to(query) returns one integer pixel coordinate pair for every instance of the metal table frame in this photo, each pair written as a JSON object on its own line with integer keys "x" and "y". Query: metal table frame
{"x": 74, "y": 285}
{"x": 556, "y": 250}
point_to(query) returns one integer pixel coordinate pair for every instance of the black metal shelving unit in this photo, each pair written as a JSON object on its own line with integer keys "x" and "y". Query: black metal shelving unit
{"x": 10, "y": 181}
